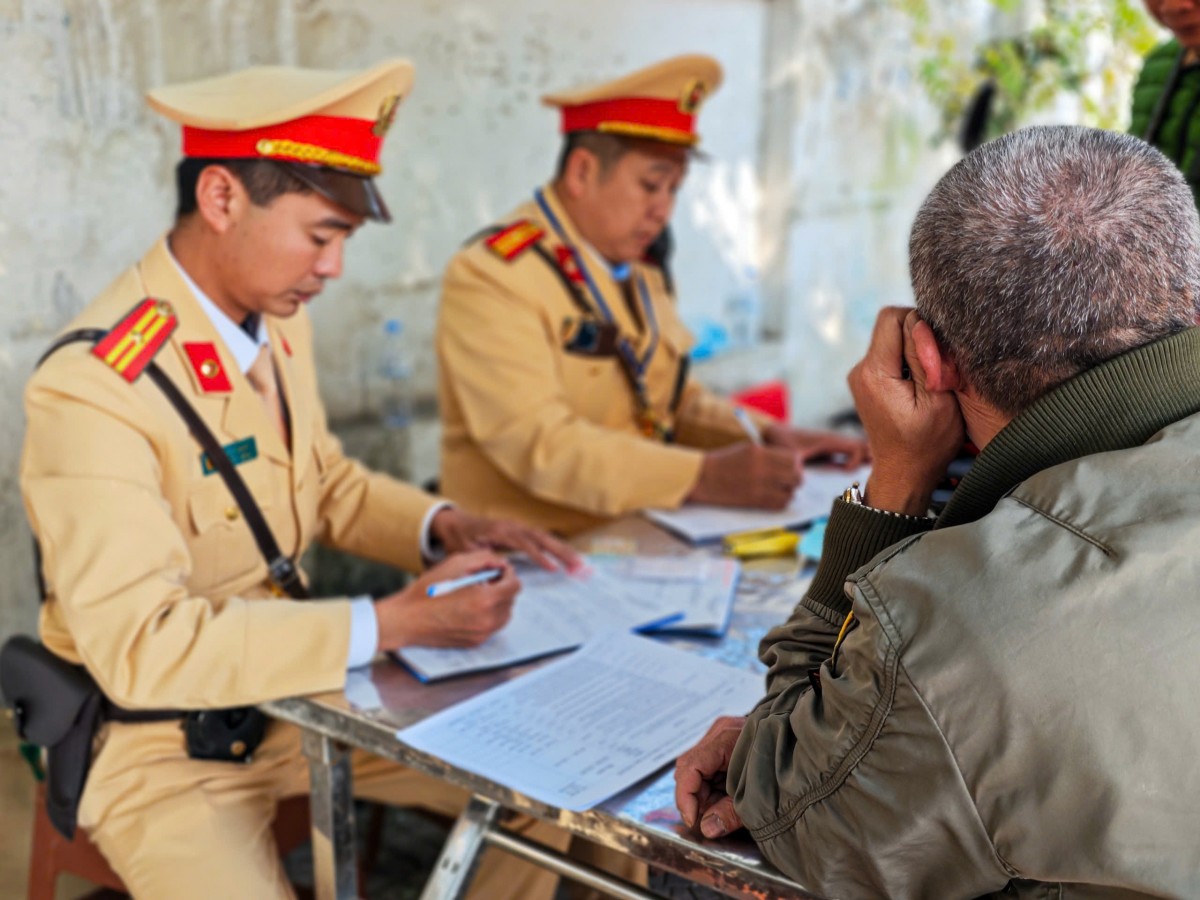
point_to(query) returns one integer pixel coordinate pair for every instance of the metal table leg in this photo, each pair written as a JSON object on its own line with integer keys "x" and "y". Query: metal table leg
{"x": 333, "y": 848}
{"x": 479, "y": 826}
{"x": 608, "y": 885}
{"x": 460, "y": 855}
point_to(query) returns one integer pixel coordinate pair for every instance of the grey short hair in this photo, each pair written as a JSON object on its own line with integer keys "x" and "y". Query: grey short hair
{"x": 1047, "y": 251}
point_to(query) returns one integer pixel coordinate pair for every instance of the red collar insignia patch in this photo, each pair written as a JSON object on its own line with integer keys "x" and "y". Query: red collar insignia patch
{"x": 569, "y": 264}
{"x": 206, "y": 366}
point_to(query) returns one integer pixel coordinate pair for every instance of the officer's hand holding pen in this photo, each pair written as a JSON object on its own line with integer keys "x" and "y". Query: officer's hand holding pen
{"x": 810, "y": 446}
{"x": 746, "y": 474}
{"x": 464, "y": 617}
{"x": 819, "y": 447}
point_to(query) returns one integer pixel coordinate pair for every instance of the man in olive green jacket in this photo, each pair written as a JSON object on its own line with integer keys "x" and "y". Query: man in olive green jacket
{"x": 1014, "y": 702}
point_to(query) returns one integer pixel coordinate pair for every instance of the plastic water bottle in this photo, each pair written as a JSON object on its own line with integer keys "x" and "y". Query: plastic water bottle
{"x": 743, "y": 311}
{"x": 396, "y": 377}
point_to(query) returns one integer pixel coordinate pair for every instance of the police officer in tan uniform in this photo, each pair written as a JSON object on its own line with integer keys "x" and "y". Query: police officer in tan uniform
{"x": 562, "y": 358}
{"x": 153, "y": 581}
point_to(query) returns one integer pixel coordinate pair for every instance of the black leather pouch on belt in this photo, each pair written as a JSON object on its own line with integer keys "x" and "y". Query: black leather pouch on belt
{"x": 226, "y": 735}
{"x": 58, "y": 706}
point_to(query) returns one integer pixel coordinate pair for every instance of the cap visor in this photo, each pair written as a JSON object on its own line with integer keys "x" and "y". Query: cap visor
{"x": 356, "y": 193}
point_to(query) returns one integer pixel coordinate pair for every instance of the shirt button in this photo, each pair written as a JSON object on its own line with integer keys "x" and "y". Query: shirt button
{"x": 232, "y": 513}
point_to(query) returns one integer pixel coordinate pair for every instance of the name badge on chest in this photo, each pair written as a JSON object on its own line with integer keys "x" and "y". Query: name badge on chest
{"x": 238, "y": 452}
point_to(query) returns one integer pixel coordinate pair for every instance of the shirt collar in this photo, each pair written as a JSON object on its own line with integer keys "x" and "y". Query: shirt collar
{"x": 245, "y": 349}
{"x": 618, "y": 272}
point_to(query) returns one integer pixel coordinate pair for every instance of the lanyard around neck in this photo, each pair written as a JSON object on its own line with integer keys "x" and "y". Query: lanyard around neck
{"x": 625, "y": 347}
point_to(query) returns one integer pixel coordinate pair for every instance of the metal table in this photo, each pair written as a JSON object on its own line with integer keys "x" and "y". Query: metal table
{"x": 641, "y": 821}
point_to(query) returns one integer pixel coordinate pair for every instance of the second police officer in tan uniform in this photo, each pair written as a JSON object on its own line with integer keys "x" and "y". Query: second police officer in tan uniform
{"x": 562, "y": 359}
{"x": 153, "y": 580}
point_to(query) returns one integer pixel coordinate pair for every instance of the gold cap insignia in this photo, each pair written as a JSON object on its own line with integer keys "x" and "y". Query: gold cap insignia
{"x": 387, "y": 114}
{"x": 693, "y": 94}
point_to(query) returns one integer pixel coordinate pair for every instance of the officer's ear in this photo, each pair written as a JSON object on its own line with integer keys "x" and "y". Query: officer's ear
{"x": 220, "y": 197}
{"x": 581, "y": 169}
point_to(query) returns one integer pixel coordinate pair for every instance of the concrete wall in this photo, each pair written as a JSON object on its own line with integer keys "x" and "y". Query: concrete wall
{"x": 852, "y": 156}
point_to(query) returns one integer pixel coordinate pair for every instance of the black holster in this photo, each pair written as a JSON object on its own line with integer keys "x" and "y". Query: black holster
{"x": 58, "y": 706}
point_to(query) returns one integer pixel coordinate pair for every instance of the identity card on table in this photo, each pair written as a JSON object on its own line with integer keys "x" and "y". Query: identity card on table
{"x": 698, "y": 523}
{"x": 574, "y": 732}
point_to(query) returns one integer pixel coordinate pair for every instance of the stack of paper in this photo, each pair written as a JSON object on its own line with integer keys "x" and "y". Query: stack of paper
{"x": 553, "y": 612}
{"x": 701, "y": 586}
{"x": 556, "y": 611}
{"x": 814, "y": 498}
{"x": 575, "y": 732}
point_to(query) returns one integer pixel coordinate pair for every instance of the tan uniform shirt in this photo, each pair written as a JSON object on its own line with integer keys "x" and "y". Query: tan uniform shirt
{"x": 537, "y": 426}
{"x": 154, "y": 580}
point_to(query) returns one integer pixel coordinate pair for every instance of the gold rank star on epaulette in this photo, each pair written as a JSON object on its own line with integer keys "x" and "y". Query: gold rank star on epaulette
{"x": 511, "y": 241}
{"x": 128, "y": 348}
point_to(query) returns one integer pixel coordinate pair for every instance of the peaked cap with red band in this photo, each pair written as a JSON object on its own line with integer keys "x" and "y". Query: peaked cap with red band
{"x": 659, "y": 102}
{"x": 326, "y": 126}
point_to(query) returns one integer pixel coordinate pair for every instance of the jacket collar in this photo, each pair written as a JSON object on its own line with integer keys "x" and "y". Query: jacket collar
{"x": 239, "y": 410}
{"x": 242, "y": 346}
{"x": 1119, "y": 404}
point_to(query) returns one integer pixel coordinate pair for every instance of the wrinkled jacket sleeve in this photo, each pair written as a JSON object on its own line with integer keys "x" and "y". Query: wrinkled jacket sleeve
{"x": 706, "y": 420}
{"x": 853, "y": 791}
{"x": 501, "y": 368}
{"x": 366, "y": 513}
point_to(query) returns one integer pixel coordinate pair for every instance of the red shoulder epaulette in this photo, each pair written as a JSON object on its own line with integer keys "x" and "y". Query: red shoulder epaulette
{"x": 511, "y": 241}
{"x": 133, "y": 341}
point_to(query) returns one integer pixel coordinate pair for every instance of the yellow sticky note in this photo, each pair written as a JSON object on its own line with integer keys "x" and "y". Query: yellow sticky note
{"x": 774, "y": 542}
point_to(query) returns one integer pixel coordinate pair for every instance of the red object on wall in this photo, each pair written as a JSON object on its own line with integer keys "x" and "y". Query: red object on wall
{"x": 768, "y": 397}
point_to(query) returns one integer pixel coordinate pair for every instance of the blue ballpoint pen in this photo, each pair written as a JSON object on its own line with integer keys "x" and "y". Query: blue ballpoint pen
{"x": 454, "y": 584}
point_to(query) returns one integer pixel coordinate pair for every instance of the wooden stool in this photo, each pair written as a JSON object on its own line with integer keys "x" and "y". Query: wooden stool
{"x": 52, "y": 854}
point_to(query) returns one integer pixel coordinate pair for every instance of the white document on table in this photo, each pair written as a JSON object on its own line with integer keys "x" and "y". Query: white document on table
{"x": 814, "y": 498}
{"x": 573, "y": 733}
{"x": 553, "y": 612}
{"x": 700, "y": 585}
